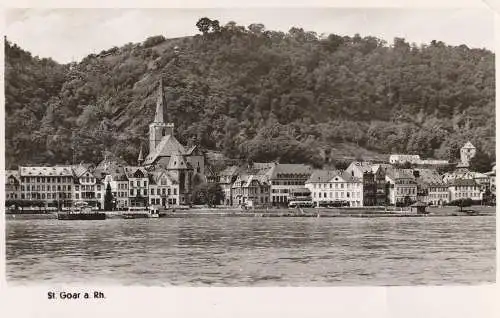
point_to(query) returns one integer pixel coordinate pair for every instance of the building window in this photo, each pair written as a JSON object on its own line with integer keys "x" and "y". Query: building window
{"x": 131, "y": 191}
{"x": 77, "y": 196}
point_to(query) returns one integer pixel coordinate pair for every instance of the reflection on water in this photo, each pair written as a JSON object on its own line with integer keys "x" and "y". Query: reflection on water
{"x": 253, "y": 251}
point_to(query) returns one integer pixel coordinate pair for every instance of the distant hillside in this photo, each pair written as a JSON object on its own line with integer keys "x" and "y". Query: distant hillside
{"x": 254, "y": 94}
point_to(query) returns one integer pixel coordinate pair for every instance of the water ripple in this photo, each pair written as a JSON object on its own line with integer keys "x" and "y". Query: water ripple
{"x": 253, "y": 252}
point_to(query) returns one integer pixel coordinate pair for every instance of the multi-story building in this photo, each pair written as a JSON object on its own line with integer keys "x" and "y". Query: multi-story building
{"x": 382, "y": 185}
{"x": 163, "y": 188}
{"x": 225, "y": 179}
{"x": 482, "y": 180}
{"x": 13, "y": 185}
{"x": 111, "y": 171}
{"x": 464, "y": 189}
{"x": 118, "y": 183}
{"x": 284, "y": 179}
{"x": 52, "y": 185}
{"x": 402, "y": 186}
{"x": 467, "y": 152}
{"x": 364, "y": 172}
{"x": 138, "y": 184}
{"x": 331, "y": 186}
{"x": 87, "y": 188}
{"x": 250, "y": 190}
{"x": 430, "y": 187}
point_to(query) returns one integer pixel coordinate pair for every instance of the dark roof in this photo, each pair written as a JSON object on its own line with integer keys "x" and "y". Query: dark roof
{"x": 400, "y": 173}
{"x": 363, "y": 166}
{"x": 246, "y": 180}
{"x": 168, "y": 146}
{"x": 288, "y": 168}
{"x": 323, "y": 176}
{"x": 156, "y": 175}
{"x": 419, "y": 204}
{"x": 429, "y": 177}
{"x": 462, "y": 182}
{"x": 229, "y": 171}
{"x": 12, "y": 173}
{"x": 56, "y": 171}
{"x": 131, "y": 170}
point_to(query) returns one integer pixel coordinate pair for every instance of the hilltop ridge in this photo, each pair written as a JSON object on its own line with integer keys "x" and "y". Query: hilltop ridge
{"x": 254, "y": 94}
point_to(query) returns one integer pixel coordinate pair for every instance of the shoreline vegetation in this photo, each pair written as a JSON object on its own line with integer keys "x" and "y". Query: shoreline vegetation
{"x": 369, "y": 212}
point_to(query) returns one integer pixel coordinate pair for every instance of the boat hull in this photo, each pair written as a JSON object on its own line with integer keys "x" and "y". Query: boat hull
{"x": 81, "y": 216}
{"x": 129, "y": 216}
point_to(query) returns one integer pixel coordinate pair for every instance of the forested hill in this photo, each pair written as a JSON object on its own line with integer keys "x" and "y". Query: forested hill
{"x": 254, "y": 94}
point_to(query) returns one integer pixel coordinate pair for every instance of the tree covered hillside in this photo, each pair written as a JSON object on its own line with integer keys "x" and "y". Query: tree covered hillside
{"x": 254, "y": 94}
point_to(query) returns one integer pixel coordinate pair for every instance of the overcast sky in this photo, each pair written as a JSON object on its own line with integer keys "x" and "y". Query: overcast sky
{"x": 71, "y": 34}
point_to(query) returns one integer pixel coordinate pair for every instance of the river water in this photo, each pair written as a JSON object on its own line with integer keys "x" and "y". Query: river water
{"x": 253, "y": 251}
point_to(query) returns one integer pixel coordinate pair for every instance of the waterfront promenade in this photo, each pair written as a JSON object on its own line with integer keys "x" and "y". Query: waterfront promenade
{"x": 367, "y": 212}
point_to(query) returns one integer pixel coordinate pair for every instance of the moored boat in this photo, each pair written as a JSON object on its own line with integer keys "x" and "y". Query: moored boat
{"x": 154, "y": 212}
{"x": 141, "y": 213}
{"x": 81, "y": 211}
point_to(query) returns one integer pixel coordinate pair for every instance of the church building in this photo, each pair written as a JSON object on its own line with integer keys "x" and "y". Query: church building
{"x": 182, "y": 164}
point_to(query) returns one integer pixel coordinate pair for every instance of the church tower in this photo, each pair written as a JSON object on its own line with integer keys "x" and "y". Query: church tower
{"x": 158, "y": 128}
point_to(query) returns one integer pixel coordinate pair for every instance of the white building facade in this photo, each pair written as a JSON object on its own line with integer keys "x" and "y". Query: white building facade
{"x": 330, "y": 186}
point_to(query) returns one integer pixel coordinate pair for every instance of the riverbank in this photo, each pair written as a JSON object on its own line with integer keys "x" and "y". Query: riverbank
{"x": 309, "y": 212}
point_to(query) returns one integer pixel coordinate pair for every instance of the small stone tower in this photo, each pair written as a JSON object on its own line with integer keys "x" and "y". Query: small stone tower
{"x": 467, "y": 152}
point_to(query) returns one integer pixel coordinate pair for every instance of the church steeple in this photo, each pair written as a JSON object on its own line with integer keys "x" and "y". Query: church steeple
{"x": 140, "y": 160}
{"x": 159, "y": 104}
{"x": 158, "y": 129}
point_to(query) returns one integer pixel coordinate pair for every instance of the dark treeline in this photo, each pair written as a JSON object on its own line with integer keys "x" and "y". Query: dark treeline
{"x": 254, "y": 94}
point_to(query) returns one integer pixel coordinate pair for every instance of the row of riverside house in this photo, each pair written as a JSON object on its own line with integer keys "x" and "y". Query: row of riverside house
{"x": 361, "y": 184}
{"x": 261, "y": 184}
{"x": 164, "y": 178}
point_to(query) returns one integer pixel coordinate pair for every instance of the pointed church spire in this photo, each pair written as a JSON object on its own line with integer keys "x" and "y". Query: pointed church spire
{"x": 140, "y": 160}
{"x": 159, "y": 103}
